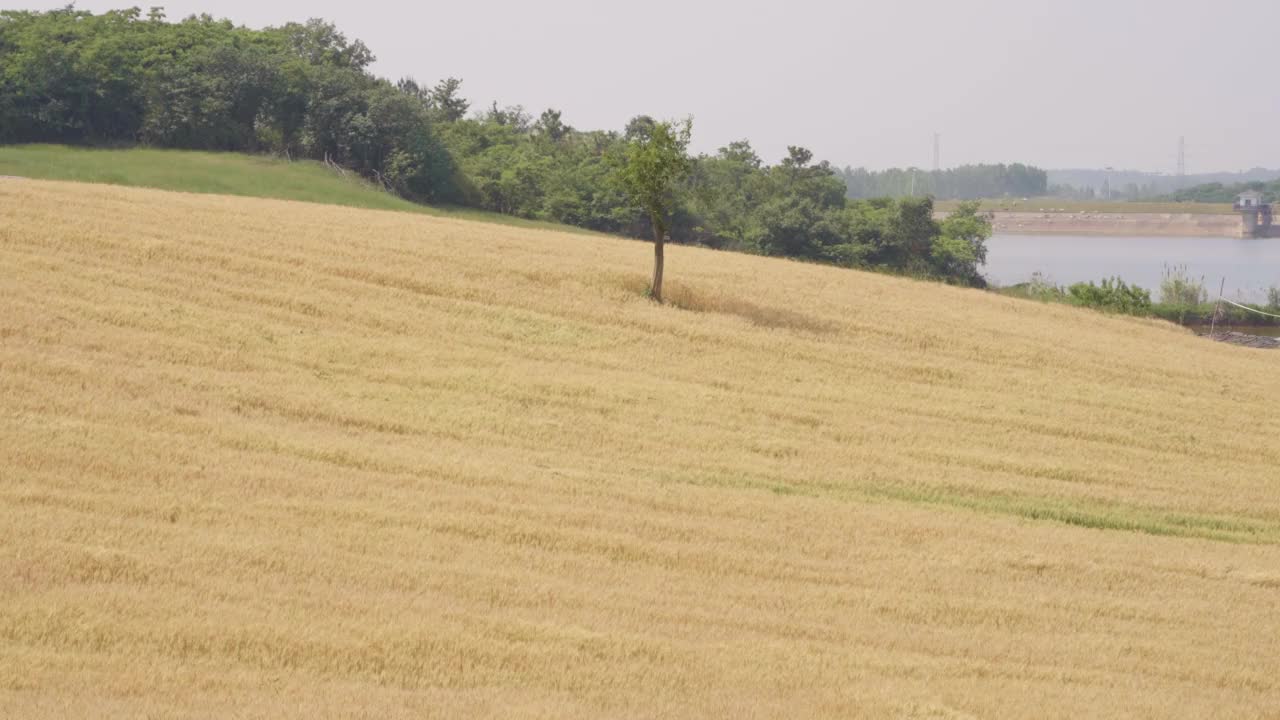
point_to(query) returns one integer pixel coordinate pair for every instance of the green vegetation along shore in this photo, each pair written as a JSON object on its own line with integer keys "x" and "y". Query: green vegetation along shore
{"x": 1183, "y": 300}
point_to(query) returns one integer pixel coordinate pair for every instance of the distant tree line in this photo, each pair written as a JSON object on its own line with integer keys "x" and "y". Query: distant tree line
{"x": 967, "y": 182}
{"x": 1219, "y": 193}
{"x": 303, "y": 90}
{"x": 1112, "y": 184}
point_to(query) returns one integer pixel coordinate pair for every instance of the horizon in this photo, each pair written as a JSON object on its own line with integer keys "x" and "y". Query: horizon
{"x": 739, "y": 78}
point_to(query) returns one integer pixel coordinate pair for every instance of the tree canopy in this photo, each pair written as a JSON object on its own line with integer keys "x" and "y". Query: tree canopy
{"x": 303, "y": 89}
{"x": 650, "y": 167}
{"x": 652, "y": 163}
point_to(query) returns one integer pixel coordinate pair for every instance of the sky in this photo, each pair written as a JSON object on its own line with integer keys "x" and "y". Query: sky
{"x": 1080, "y": 83}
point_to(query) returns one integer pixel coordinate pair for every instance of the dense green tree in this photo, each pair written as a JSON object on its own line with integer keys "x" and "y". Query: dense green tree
{"x": 724, "y": 191}
{"x": 638, "y": 128}
{"x": 961, "y": 247}
{"x": 70, "y": 76}
{"x": 301, "y": 89}
{"x": 550, "y": 127}
{"x": 410, "y": 87}
{"x": 448, "y": 104}
{"x": 512, "y": 116}
{"x": 910, "y": 234}
{"x": 321, "y": 44}
{"x": 802, "y": 216}
{"x": 211, "y": 98}
{"x": 650, "y": 169}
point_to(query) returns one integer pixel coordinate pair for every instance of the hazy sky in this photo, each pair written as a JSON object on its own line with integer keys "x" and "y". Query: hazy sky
{"x": 1066, "y": 83}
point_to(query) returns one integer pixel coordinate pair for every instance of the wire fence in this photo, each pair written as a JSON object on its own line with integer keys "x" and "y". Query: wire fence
{"x": 1246, "y": 307}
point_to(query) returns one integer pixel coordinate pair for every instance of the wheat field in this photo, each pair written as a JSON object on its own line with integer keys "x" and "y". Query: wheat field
{"x": 264, "y": 459}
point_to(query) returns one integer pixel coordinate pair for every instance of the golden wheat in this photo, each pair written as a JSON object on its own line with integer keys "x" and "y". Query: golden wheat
{"x": 267, "y": 459}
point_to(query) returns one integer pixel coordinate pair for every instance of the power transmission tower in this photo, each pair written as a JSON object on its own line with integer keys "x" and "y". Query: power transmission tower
{"x": 1182, "y": 160}
{"x": 937, "y": 152}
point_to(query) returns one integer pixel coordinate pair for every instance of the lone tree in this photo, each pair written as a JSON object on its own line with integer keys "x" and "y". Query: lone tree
{"x": 654, "y": 161}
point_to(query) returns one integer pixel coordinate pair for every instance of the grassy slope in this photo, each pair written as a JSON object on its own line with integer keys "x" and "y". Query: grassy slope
{"x": 271, "y": 459}
{"x": 224, "y": 174}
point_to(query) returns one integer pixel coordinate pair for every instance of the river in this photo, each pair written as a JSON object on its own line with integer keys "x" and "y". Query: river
{"x": 1250, "y": 266}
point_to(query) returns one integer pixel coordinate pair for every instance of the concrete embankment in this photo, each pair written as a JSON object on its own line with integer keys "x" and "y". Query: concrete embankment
{"x": 1103, "y": 223}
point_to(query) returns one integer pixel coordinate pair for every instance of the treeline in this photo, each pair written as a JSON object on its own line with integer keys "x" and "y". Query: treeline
{"x": 1126, "y": 193}
{"x": 731, "y": 199}
{"x": 301, "y": 90}
{"x": 968, "y": 182}
{"x": 1219, "y": 193}
{"x": 1136, "y": 185}
{"x": 304, "y": 91}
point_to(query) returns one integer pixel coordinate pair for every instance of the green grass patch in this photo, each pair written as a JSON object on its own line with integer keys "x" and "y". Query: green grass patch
{"x": 227, "y": 174}
{"x": 1093, "y": 514}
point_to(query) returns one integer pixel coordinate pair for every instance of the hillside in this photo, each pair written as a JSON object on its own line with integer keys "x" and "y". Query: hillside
{"x": 223, "y": 174}
{"x": 274, "y": 459}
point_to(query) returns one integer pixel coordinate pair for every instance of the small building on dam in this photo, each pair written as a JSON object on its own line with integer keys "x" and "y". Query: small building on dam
{"x": 1255, "y": 215}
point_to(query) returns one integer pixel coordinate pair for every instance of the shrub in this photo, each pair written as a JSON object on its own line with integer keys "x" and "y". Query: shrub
{"x": 1112, "y": 295}
{"x": 1041, "y": 288}
{"x": 1178, "y": 289}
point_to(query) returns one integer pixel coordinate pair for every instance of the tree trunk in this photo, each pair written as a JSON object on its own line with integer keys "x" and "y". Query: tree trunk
{"x": 659, "y": 235}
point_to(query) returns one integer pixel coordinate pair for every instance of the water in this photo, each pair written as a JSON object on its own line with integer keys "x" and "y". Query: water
{"x": 1249, "y": 265}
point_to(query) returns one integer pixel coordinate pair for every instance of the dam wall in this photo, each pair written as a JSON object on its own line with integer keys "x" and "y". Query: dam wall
{"x": 1109, "y": 223}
